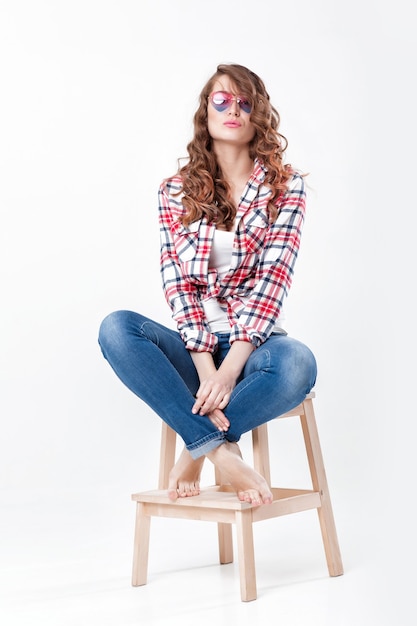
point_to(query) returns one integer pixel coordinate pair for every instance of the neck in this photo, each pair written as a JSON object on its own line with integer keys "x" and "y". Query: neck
{"x": 235, "y": 163}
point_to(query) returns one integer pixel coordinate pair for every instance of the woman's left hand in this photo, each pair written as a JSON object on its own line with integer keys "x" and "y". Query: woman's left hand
{"x": 214, "y": 393}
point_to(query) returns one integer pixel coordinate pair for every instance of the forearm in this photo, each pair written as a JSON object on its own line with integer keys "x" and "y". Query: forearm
{"x": 204, "y": 364}
{"x": 231, "y": 366}
{"x": 236, "y": 358}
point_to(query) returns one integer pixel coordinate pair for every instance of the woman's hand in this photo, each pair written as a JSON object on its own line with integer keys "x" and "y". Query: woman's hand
{"x": 216, "y": 386}
{"x": 219, "y": 420}
{"x": 214, "y": 393}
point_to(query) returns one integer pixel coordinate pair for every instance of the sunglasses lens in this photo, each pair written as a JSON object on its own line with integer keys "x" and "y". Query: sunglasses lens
{"x": 245, "y": 105}
{"x": 221, "y": 100}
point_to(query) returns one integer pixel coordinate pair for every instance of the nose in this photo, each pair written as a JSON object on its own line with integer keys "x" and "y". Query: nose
{"x": 234, "y": 108}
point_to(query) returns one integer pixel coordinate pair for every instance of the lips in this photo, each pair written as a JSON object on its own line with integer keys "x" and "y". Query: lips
{"x": 232, "y": 124}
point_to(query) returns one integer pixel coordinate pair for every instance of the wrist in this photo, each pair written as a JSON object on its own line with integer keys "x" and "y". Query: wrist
{"x": 204, "y": 364}
{"x": 236, "y": 358}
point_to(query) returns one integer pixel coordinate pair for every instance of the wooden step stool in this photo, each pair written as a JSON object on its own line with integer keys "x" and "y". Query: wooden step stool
{"x": 219, "y": 503}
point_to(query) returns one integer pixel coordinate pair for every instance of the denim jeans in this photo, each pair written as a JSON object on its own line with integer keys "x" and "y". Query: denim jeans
{"x": 153, "y": 362}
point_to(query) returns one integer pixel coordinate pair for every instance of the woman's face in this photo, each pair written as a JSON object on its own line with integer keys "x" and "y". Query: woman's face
{"x": 231, "y": 124}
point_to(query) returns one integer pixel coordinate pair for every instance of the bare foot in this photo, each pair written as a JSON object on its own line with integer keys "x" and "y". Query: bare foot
{"x": 184, "y": 478}
{"x": 249, "y": 485}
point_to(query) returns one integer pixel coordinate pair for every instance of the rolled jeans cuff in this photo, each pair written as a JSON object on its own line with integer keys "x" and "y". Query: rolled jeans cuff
{"x": 206, "y": 444}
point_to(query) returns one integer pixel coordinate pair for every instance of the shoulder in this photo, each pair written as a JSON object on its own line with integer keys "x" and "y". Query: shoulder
{"x": 171, "y": 186}
{"x": 170, "y": 199}
{"x": 296, "y": 183}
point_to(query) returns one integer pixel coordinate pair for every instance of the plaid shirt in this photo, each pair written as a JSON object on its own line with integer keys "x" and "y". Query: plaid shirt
{"x": 260, "y": 274}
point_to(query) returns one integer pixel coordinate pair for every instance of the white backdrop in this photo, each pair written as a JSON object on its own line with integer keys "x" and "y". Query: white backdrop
{"x": 96, "y": 106}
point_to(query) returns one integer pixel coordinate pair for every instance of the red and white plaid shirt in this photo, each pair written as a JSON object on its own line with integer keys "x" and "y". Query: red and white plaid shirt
{"x": 260, "y": 274}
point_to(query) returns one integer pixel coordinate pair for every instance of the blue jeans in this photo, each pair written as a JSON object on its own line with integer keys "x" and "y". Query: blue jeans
{"x": 152, "y": 361}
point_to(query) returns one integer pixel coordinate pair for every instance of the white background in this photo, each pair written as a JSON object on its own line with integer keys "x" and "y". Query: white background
{"x": 96, "y": 105}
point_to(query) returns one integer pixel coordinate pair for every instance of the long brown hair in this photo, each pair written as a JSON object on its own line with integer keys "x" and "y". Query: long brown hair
{"x": 206, "y": 192}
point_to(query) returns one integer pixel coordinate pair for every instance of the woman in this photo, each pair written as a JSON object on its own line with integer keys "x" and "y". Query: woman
{"x": 230, "y": 223}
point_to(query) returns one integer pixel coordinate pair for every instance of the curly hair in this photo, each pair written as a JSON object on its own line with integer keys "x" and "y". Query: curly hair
{"x": 206, "y": 193}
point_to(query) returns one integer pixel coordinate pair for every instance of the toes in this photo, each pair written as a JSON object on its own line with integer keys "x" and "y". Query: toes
{"x": 172, "y": 493}
{"x": 252, "y": 496}
{"x": 267, "y": 498}
{"x": 187, "y": 490}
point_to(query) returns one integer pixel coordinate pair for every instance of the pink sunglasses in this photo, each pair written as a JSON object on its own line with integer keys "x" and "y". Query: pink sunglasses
{"x": 222, "y": 100}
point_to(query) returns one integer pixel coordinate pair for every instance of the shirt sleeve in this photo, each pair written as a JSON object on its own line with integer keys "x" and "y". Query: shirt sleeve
{"x": 255, "y": 322}
{"x": 181, "y": 295}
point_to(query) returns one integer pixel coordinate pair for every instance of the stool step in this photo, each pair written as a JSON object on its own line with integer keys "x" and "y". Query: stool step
{"x": 285, "y": 501}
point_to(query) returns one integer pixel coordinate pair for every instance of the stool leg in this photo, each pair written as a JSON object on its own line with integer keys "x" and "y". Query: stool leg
{"x": 246, "y": 555}
{"x": 318, "y": 476}
{"x": 260, "y": 448}
{"x": 225, "y": 543}
{"x": 224, "y": 531}
{"x": 141, "y": 547}
{"x": 166, "y": 455}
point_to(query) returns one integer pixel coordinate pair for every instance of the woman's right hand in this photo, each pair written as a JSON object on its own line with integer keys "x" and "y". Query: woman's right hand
{"x": 219, "y": 420}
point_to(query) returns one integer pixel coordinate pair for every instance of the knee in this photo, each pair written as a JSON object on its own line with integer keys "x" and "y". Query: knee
{"x": 296, "y": 364}
{"x": 307, "y": 366}
{"x": 112, "y": 329}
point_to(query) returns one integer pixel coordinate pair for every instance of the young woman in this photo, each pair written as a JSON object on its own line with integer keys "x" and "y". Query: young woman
{"x": 230, "y": 222}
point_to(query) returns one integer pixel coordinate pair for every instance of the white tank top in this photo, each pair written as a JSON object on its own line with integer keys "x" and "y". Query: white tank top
{"x": 220, "y": 256}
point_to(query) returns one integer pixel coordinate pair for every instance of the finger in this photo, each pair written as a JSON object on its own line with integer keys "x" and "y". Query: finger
{"x": 215, "y": 402}
{"x": 224, "y": 402}
{"x": 197, "y": 405}
{"x": 219, "y": 420}
{"x": 202, "y": 396}
{"x": 210, "y": 403}
{"x": 219, "y": 425}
